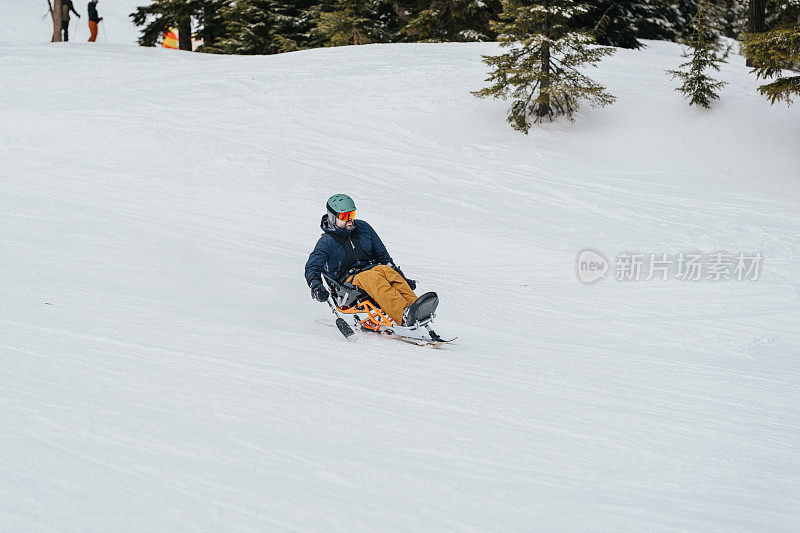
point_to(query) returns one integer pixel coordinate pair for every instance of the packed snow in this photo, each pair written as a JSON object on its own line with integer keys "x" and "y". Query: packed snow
{"x": 164, "y": 367}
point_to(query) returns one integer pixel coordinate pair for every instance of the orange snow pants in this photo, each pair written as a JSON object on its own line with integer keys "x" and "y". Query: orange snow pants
{"x": 388, "y": 288}
{"x": 93, "y": 31}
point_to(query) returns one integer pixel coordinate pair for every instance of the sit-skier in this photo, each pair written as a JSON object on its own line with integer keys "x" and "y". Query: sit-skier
{"x": 350, "y": 251}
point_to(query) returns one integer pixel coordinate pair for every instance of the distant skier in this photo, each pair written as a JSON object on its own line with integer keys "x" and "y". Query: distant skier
{"x": 350, "y": 251}
{"x": 66, "y": 7}
{"x": 94, "y": 19}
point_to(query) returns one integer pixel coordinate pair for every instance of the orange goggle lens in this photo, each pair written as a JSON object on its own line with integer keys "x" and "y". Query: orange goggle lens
{"x": 350, "y": 215}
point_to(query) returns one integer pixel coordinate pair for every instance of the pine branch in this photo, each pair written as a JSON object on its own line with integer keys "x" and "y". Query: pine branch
{"x": 782, "y": 89}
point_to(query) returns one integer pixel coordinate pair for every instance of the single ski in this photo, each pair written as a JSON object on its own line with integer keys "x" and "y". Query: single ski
{"x": 396, "y": 336}
{"x": 431, "y": 343}
{"x": 420, "y": 342}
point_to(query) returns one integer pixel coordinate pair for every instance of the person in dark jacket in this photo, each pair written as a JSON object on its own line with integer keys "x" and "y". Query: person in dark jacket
{"x": 351, "y": 251}
{"x": 94, "y": 19}
{"x": 66, "y": 7}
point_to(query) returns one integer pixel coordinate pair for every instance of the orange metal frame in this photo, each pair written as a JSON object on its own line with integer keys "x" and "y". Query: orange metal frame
{"x": 376, "y": 317}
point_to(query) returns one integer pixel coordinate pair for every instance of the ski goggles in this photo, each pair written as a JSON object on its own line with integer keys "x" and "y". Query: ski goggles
{"x": 346, "y": 216}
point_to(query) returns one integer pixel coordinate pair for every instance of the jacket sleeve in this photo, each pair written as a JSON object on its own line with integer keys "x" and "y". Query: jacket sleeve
{"x": 72, "y": 8}
{"x": 378, "y": 249}
{"x": 316, "y": 261}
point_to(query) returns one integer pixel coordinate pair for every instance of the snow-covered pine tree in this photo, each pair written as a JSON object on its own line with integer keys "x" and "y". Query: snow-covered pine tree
{"x": 672, "y": 21}
{"x": 261, "y": 27}
{"x": 729, "y": 16}
{"x": 450, "y": 20}
{"x": 771, "y": 52}
{"x": 540, "y": 70}
{"x": 211, "y": 20}
{"x": 756, "y": 21}
{"x": 158, "y": 15}
{"x": 782, "y": 13}
{"x": 619, "y": 23}
{"x": 343, "y": 22}
{"x": 698, "y": 87}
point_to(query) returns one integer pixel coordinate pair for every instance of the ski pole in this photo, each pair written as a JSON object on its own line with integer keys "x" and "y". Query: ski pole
{"x": 344, "y": 327}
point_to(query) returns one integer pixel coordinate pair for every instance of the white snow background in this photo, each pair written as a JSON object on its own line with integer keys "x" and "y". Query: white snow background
{"x": 162, "y": 364}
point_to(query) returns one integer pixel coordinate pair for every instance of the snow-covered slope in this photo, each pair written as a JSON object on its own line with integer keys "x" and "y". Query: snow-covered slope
{"x": 162, "y": 364}
{"x": 28, "y": 21}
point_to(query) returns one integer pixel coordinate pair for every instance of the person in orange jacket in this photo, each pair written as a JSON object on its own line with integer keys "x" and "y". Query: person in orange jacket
{"x": 94, "y": 19}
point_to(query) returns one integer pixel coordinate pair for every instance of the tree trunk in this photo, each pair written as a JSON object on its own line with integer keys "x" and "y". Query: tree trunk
{"x": 209, "y": 22}
{"x": 56, "y": 13}
{"x": 756, "y": 23}
{"x": 543, "y": 101}
{"x": 756, "y": 15}
{"x": 185, "y": 34}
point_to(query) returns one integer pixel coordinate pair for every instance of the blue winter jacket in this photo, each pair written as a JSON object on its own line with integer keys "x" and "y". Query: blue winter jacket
{"x": 329, "y": 255}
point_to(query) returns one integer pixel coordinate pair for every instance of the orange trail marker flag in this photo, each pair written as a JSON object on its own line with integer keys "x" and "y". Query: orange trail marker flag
{"x": 170, "y": 39}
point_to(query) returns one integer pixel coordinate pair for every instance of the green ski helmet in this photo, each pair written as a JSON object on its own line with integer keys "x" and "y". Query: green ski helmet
{"x": 341, "y": 206}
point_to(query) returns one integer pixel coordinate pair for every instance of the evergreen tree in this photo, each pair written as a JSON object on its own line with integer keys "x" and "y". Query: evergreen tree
{"x": 729, "y": 16}
{"x": 756, "y": 16}
{"x": 344, "y": 22}
{"x": 157, "y": 16}
{"x": 672, "y": 21}
{"x": 756, "y": 21}
{"x": 211, "y": 19}
{"x": 260, "y": 27}
{"x": 162, "y": 14}
{"x": 540, "y": 70}
{"x": 623, "y": 23}
{"x": 619, "y": 23}
{"x": 783, "y": 13}
{"x": 771, "y": 52}
{"x": 699, "y": 88}
{"x": 451, "y": 20}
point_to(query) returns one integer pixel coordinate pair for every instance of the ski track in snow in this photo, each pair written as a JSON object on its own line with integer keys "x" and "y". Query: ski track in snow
{"x": 162, "y": 368}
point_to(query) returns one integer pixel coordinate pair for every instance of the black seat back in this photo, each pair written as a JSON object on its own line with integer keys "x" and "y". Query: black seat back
{"x": 344, "y": 294}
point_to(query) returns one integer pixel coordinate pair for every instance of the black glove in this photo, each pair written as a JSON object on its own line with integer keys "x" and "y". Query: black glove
{"x": 411, "y": 283}
{"x": 318, "y": 291}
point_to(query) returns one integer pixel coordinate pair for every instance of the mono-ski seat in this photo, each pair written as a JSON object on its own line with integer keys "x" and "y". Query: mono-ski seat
{"x": 352, "y": 300}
